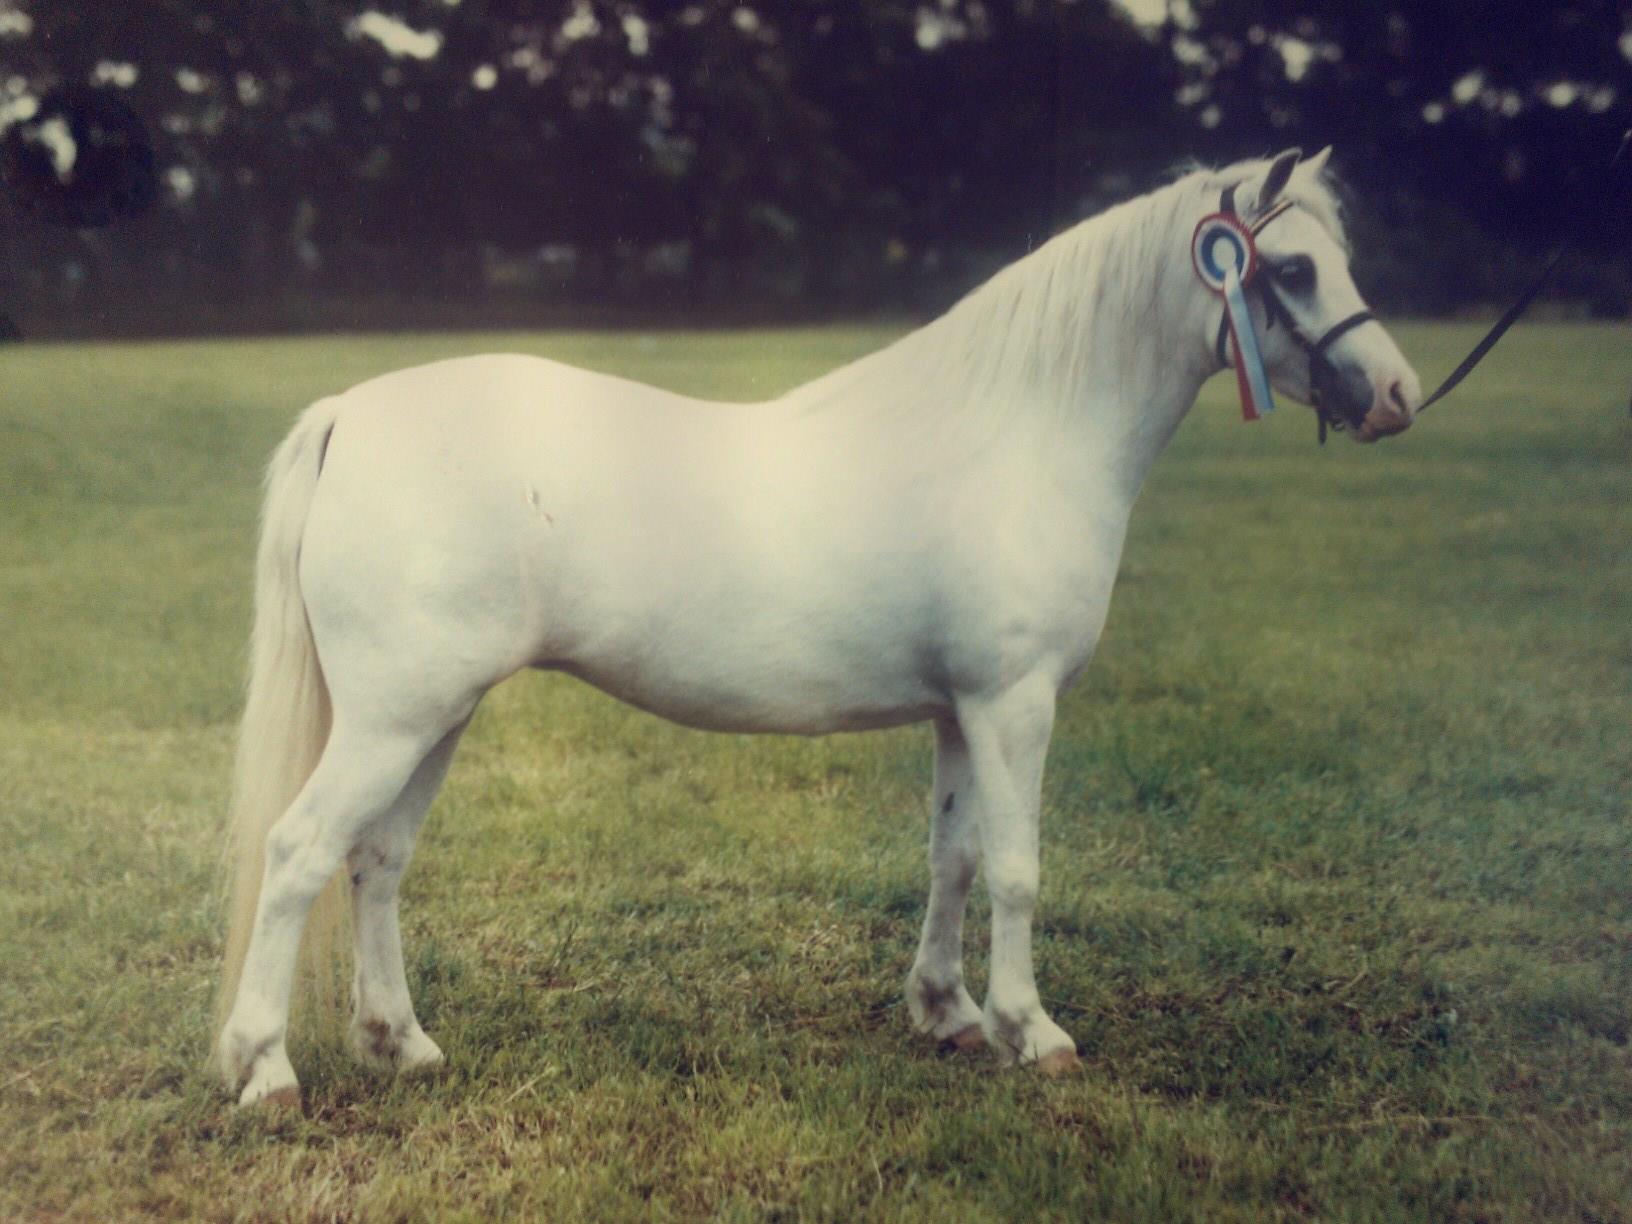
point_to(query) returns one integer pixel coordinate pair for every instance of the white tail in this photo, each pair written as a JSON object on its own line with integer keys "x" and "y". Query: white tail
{"x": 285, "y": 725}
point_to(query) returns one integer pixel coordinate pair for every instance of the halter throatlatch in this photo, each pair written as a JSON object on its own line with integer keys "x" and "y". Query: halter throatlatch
{"x": 1211, "y": 250}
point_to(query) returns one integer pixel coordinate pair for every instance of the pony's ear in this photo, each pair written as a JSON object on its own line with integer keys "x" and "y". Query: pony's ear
{"x": 1280, "y": 174}
{"x": 1316, "y": 164}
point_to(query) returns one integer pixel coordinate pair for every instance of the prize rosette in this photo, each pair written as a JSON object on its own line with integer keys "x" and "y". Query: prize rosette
{"x": 1226, "y": 260}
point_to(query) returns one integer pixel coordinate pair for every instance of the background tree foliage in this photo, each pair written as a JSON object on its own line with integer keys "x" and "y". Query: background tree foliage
{"x": 323, "y": 156}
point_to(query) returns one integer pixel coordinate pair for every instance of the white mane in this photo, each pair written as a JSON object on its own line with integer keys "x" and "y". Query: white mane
{"x": 1074, "y": 319}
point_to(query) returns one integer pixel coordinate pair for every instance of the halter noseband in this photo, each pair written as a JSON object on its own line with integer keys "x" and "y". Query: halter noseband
{"x": 1323, "y": 374}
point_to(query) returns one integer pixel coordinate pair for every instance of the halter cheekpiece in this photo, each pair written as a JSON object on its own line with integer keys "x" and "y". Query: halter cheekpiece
{"x": 1224, "y": 251}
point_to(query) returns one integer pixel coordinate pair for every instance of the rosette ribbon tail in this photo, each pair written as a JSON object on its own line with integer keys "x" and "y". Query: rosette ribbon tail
{"x": 1250, "y": 376}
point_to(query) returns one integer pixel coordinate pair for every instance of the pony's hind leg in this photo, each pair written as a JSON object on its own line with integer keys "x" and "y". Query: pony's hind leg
{"x": 939, "y": 1003}
{"x": 384, "y": 1029}
{"x": 360, "y": 775}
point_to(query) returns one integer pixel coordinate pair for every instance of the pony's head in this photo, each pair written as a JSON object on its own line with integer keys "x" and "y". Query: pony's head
{"x": 1320, "y": 344}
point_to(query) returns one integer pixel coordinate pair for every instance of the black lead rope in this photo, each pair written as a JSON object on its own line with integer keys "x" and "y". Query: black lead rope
{"x": 1496, "y": 333}
{"x": 1518, "y": 308}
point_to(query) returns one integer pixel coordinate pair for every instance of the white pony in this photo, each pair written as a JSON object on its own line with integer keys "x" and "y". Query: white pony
{"x": 927, "y": 535}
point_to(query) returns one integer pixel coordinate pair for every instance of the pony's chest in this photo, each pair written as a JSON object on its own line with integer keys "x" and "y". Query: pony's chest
{"x": 1033, "y": 592}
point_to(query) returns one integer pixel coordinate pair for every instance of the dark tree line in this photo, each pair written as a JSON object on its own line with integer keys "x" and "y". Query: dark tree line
{"x": 803, "y": 155}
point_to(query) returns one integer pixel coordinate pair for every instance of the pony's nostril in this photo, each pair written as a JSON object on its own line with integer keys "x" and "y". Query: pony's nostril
{"x": 1397, "y": 394}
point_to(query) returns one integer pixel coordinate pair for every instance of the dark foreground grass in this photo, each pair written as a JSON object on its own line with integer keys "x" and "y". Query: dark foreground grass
{"x": 1336, "y": 863}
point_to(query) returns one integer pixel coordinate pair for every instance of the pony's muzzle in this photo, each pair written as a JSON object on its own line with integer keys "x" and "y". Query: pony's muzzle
{"x": 1392, "y": 410}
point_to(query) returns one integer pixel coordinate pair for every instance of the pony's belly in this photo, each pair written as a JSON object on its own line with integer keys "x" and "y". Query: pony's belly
{"x": 763, "y": 699}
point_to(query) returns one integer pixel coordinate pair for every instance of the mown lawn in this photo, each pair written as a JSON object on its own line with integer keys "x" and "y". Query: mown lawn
{"x": 1337, "y": 857}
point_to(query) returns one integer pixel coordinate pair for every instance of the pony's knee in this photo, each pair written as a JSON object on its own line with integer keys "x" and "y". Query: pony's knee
{"x": 1012, "y": 881}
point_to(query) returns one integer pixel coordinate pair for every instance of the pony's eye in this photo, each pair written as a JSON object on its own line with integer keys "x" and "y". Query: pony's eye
{"x": 1296, "y": 274}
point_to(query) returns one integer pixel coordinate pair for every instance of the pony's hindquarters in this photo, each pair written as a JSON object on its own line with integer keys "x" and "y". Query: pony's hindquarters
{"x": 286, "y": 718}
{"x": 341, "y": 754}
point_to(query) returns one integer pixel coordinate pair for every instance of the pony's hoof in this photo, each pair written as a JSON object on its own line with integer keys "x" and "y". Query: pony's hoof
{"x": 1060, "y": 1063}
{"x": 385, "y": 1047}
{"x": 965, "y": 1041}
{"x": 420, "y": 1056}
{"x": 263, "y": 1069}
{"x": 282, "y": 1099}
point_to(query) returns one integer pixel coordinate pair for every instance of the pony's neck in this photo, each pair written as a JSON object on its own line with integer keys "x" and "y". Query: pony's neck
{"x": 1083, "y": 352}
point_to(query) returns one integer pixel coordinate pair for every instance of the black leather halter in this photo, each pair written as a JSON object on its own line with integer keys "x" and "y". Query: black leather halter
{"x": 1323, "y": 375}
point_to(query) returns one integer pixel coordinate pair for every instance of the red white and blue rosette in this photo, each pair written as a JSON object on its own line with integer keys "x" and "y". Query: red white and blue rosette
{"x": 1226, "y": 259}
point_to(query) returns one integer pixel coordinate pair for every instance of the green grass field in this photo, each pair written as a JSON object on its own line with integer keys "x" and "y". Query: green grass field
{"x": 1337, "y": 874}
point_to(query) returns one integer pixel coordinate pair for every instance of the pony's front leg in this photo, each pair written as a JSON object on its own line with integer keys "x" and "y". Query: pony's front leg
{"x": 1007, "y": 737}
{"x": 384, "y": 1029}
{"x": 936, "y": 998}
